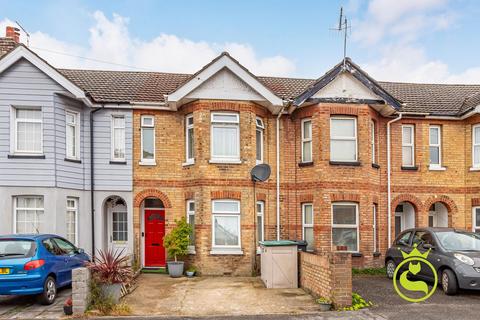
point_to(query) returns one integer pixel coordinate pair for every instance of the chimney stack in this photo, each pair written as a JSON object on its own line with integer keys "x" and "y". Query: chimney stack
{"x": 13, "y": 33}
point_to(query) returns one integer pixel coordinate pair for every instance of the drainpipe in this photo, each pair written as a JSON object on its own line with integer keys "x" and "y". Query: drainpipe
{"x": 92, "y": 179}
{"x": 389, "y": 193}
{"x": 278, "y": 167}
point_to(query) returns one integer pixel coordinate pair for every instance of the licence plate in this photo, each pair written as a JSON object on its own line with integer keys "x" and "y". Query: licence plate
{"x": 4, "y": 270}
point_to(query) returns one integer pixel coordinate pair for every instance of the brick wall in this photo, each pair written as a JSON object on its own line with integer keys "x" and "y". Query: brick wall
{"x": 328, "y": 275}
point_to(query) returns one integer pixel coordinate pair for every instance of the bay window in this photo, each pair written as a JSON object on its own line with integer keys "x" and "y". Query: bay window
{"x": 225, "y": 137}
{"x": 27, "y": 130}
{"x": 307, "y": 225}
{"x": 343, "y": 139}
{"x": 226, "y": 226}
{"x": 476, "y": 146}
{"x": 72, "y": 135}
{"x": 435, "y": 143}
{"x": 259, "y": 140}
{"x": 408, "y": 145}
{"x": 345, "y": 225}
{"x": 118, "y": 138}
{"x": 28, "y": 211}
{"x": 189, "y": 140}
{"x": 148, "y": 140}
{"x": 306, "y": 140}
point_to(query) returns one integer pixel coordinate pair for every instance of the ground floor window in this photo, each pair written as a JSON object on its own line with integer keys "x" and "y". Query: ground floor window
{"x": 120, "y": 226}
{"x": 260, "y": 221}
{"x": 226, "y": 224}
{"x": 345, "y": 225}
{"x": 71, "y": 220}
{"x": 28, "y": 214}
{"x": 476, "y": 219}
{"x": 191, "y": 222}
{"x": 307, "y": 225}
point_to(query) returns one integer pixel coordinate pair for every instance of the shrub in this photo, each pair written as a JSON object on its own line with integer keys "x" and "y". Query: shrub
{"x": 176, "y": 241}
{"x": 369, "y": 271}
{"x": 357, "y": 303}
{"x": 111, "y": 267}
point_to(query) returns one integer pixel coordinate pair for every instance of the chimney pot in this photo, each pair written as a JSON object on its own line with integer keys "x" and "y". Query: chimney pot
{"x": 13, "y": 33}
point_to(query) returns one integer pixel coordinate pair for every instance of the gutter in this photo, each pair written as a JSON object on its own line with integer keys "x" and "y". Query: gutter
{"x": 286, "y": 105}
{"x": 92, "y": 178}
{"x": 389, "y": 187}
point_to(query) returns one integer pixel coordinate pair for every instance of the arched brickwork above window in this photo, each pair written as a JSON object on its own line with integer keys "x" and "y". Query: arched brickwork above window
{"x": 151, "y": 193}
{"x": 224, "y": 194}
{"x": 417, "y": 203}
{"x": 451, "y": 206}
{"x": 335, "y": 197}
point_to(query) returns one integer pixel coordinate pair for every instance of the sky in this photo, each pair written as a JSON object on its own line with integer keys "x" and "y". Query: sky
{"x": 429, "y": 41}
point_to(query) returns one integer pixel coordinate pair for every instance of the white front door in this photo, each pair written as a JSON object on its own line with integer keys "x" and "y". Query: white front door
{"x": 118, "y": 227}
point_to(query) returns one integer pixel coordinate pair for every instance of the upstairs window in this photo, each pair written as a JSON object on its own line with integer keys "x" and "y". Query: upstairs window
{"x": 225, "y": 137}
{"x": 28, "y": 130}
{"x": 476, "y": 146}
{"x": 189, "y": 139}
{"x": 343, "y": 139}
{"x": 307, "y": 140}
{"x": 372, "y": 141}
{"x": 408, "y": 145}
{"x": 72, "y": 134}
{"x": 259, "y": 140}
{"x": 435, "y": 141}
{"x": 148, "y": 140}
{"x": 118, "y": 138}
{"x": 307, "y": 225}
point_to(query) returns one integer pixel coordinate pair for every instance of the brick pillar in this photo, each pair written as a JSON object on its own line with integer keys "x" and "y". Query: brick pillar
{"x": 80, "y": 290}
{"x": 342, "y": 279}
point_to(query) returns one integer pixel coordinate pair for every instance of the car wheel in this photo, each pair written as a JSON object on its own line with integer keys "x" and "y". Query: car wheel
{"x": 449, "y": 282}
{"x": 390, "y": 266}
{"x": 49, "y": 291}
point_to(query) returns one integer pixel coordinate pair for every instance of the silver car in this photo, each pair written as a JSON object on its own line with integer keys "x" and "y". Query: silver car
{"x": 455, "y": 255}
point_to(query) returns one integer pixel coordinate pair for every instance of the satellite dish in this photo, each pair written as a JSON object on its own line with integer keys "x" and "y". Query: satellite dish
{"x": 260, "y": 173}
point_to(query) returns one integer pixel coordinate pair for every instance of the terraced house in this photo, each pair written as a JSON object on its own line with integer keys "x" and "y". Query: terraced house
{"x": 354, "y": 161}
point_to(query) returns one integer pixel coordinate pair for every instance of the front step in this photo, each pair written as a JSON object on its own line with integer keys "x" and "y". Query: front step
{"x": 159, "y": 270}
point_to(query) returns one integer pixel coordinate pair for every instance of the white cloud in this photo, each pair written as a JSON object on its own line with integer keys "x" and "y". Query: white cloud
{"x": 111, "y": 41}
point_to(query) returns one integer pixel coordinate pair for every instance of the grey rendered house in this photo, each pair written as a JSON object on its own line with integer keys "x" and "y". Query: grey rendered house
{"x": 45, "y": 156}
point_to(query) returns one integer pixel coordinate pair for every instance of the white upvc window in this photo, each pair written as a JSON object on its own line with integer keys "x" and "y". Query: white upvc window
{"x": 373, "y": 141}
{"x": 190, "y": 204}
{"x": 307, "y": 225}
{"x": 375, "y": 228}
{"x": 345, "y": 225}
{"x": 435, "y": 143}
{"x": 189, "y": 140}
{"x": 120, "y": 226}
{"x": 476, "y": 146}
{"x": 71, "y": 220}
{"x": 260, "y": 127}
{"x": 225, "y": 137}
{"x": 72, "y": 135}
{"x": 226, "y": 236}
{"x": 476, "y": 219}
{"x": 343, "y": 139}
{"x": 118, "y": 138}
{"x": 27, "y": 130}
{"x": 408, "y": 145}
{"x": 306, "y": 140}
{"x": 260, "y": 221}
{"x": 147, "y": 140}
{"x": 28, "y": 214}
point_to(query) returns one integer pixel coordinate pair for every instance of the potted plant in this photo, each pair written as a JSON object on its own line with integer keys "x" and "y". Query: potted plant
{"x": 176, "y": 242}
{"x": 68, "y": 307}
{"x": 325, "y": 304}
{"x": 191, "y": 271}
{"x": 110, "y": 268}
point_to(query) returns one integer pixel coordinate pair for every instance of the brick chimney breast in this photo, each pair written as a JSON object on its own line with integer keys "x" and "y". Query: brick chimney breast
{"x": 13, "y": 33}
{"x": 9, "y": 42}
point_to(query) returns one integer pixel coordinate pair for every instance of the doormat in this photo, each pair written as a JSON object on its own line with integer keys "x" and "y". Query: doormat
{"x": 156, "y": 270}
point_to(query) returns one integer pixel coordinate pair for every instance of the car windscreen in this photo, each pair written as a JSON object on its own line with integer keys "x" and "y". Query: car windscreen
{"x": 459, "y": 241}
{"x": 16, "y": 248}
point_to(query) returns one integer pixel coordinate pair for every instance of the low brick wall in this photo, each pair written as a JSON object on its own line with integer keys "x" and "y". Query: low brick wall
{"x": 327, "y": 275}
{"x": 80, "y": 290}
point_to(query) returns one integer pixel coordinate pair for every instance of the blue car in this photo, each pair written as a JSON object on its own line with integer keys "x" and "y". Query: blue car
{"x": 37, "y": 264}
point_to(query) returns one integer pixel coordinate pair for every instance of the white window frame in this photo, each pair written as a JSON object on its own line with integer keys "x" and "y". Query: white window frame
{"x": 375, "y": 227}
{"x": 435, "y": 166}
{"x": 373, "y": 141}
{"x": 344, "y": 138}
{"x": 76, "y": 126}
{"x": 475, "y": 224}
{"x": 112, "y": 133}
{"x": 261, "y": 214}
{"x": 222, "y": 124}
{"x": 14, "y": 130}
{"x": 305, "y": 140}
{"x": 307, "y": 225}
{"x": 475, "y": 161}
{"x": 188, "y": 127}
{"x": 16, "y": 208}
{"x": 259, "y": 127}
{"x": 113, "y": 230}
{"x": 348, "y": 226}
{"x": 73, "y": 209}
{"x": 191, "y": 248}
{"x": 222, "y": 249}
{"x": 142, "y": 126}
{"x": 409, "y": 145}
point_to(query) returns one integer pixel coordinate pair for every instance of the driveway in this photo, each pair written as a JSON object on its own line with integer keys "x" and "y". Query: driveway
{"x": 26, "y": 307}
{"x": 379, "y": 289}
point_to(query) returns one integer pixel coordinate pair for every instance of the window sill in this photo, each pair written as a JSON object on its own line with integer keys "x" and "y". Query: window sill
{"x": 345, "y": 163}
{"x": 232, "y": 252}
{"x": 414, "y": 168}
{"x": 305, "y": 164}
{"x": 72, "y": 160}
{"x": 117, "y": 162}
{"x": 357, "y": 255}
{"x": 26, "y": 156}
{"x": 225, "y": 161}
{"x": 475, "y": 169}
{"x": 375, "y": 166}
{"x": 436, "y": 168}
{"x": 188, "y": 163}
{"x": 147, "y": 163}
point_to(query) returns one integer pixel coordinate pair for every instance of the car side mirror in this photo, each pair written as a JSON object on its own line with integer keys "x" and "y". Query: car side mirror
{"x": 428, "y": 246}
{"x": 80, "y": 251}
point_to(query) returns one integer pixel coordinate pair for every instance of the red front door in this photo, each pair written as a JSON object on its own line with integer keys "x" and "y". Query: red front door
{"x": 154, "y": 233}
